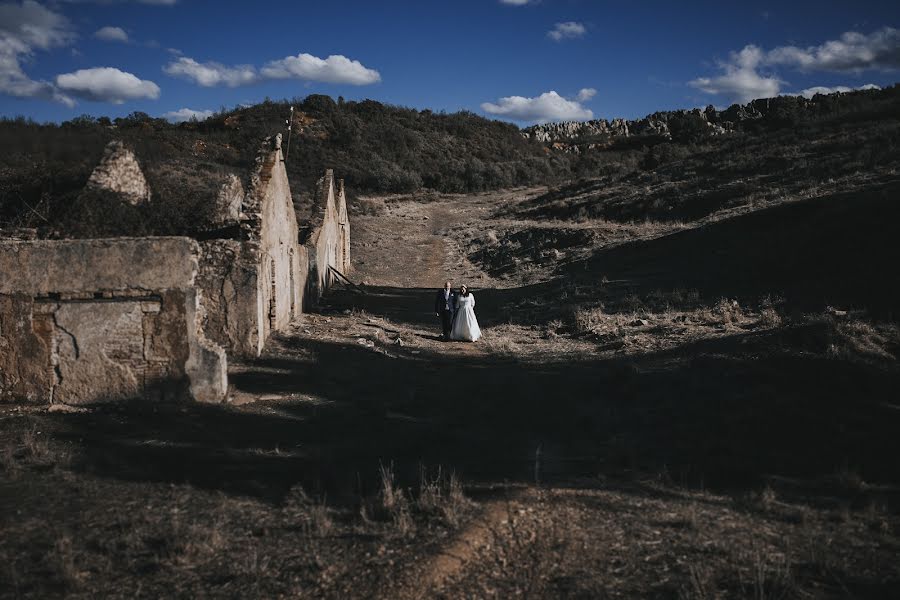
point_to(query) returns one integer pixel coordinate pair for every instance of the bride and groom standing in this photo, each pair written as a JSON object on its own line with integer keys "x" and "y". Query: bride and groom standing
{"x": 457, "y": 313}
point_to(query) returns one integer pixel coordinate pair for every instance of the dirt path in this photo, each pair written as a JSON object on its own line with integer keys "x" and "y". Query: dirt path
{"x": 409, "y": 244}
{"x": 455, "y": 556}
{"x": 408, "y": 249}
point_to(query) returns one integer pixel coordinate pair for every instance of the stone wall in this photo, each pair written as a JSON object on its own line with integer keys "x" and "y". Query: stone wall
{"x": 255, "y": 285}
{"x": 228, "y": 279}
{"x": 84, "y": 321}
{"x": 328, "y": 243}
{"x": 91, "y": 320}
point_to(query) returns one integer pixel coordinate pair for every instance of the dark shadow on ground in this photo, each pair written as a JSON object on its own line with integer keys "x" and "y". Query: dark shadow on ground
{"x": 724, "y": 413}
{"x": 836, "y": 250}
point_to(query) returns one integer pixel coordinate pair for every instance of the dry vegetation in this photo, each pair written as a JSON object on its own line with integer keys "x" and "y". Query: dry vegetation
{"x": 687, "y": 388}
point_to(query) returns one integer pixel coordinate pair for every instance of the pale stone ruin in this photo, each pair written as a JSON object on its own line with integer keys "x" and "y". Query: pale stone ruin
{"x": 83, "y": 321}
{"x": 120, "y": 173}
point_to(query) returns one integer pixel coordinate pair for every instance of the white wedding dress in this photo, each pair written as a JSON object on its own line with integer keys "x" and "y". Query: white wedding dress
{"x": 465, "y": 325}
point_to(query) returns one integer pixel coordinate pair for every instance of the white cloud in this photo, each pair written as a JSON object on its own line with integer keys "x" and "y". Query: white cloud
{"x": 334, "y": 69}
{"x": 549, "y": 106}
{"x": 586, "y": 94}
{"x": 106, "y": 84}
{"x": 567, "y": 31}
{"x": 820, "y": 89}
{"x": 853, "y": 52}
{"x": 211, "y": 74}
{"x": 23, "y": 29}
{"x": 34, "y": 25}
{"x": 187, "y": 114}
{"x": 111, "y": 34}
{"x": 740, "y": 82}
{"x": 518, "y": 2}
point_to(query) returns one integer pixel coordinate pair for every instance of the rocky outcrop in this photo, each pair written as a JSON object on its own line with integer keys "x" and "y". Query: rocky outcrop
{"x": 602, "y": 132}
{"x": 120, "y": 174}
{"x": 686, "y": 125}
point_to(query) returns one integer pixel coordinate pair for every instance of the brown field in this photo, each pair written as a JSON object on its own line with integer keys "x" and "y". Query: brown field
{"x": 678, "y": 408}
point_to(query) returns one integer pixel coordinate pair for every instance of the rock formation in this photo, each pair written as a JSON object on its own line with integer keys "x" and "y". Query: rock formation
{"x": 684, "y": 124}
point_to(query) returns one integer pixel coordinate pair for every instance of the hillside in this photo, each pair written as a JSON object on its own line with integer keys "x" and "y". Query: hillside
{"x": 374, "y": 147}
{"x": 380, "y": 148}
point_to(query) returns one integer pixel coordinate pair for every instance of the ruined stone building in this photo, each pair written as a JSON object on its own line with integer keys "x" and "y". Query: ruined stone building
{"x": 156, "y": 317}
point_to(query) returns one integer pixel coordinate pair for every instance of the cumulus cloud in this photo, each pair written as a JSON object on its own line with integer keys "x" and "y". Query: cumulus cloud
{"x": 567, "y": 31}
{"x": 111, "y": 34}
{"x": 24, "y": 28}
{"x": 333, "y": 69}
{"x": 821, "y": 89}
{"x": 210, "y": 74}
{"x": 854, "y": 52}
{"x": 586, "y": 94}
{"x": 549, "y": 106}
{"x": 740, "y": 81}
{"x": 106, "y": 84}
{"x": 187, "y": 114}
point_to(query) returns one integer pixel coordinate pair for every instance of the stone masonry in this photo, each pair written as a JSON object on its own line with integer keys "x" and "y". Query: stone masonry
{"x": 120, "y": 173}
{"x": 85, "y": 321}
{"x": 104, "y": 320}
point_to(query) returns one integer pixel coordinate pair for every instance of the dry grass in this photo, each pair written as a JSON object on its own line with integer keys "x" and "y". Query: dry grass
{"x": 727, "y": 312}
{"x": 367, "y": 206}
{"x": 10, "y": 466}
{"x": 500, "y": 343}
{"x": 394, "y": 504}
{"x": 61, "y": 559}
{"x": 442, "y": 496}
{"x": 35, "y": 446}
{"x": 701, "y": 584}
{"x": 770, "y": 318}
{"x": 856, "y": 337}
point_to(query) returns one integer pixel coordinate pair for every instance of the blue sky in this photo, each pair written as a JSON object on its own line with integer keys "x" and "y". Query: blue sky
{"x": 518, "y": 60}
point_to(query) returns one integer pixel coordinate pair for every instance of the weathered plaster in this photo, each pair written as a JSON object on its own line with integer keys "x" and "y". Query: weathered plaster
{"x": 104, "y": 320}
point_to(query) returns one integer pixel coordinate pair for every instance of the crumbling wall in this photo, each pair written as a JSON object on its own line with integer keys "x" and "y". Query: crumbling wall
{"x": 343, "y": 264}
{"x": 328, "y": 244}
{"x": 270, "y": 199}
{"x": 120, "y": 173}
{"x": 84, "y": 321}
{"x": 228, "y": 279}
{"x": 255, "y": 285}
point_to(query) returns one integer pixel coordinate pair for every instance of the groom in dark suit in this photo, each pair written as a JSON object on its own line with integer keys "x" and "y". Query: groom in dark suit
{"x": 445, "y": 306}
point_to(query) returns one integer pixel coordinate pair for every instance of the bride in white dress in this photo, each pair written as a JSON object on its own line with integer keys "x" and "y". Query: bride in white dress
{"x": 465, "y": 325}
